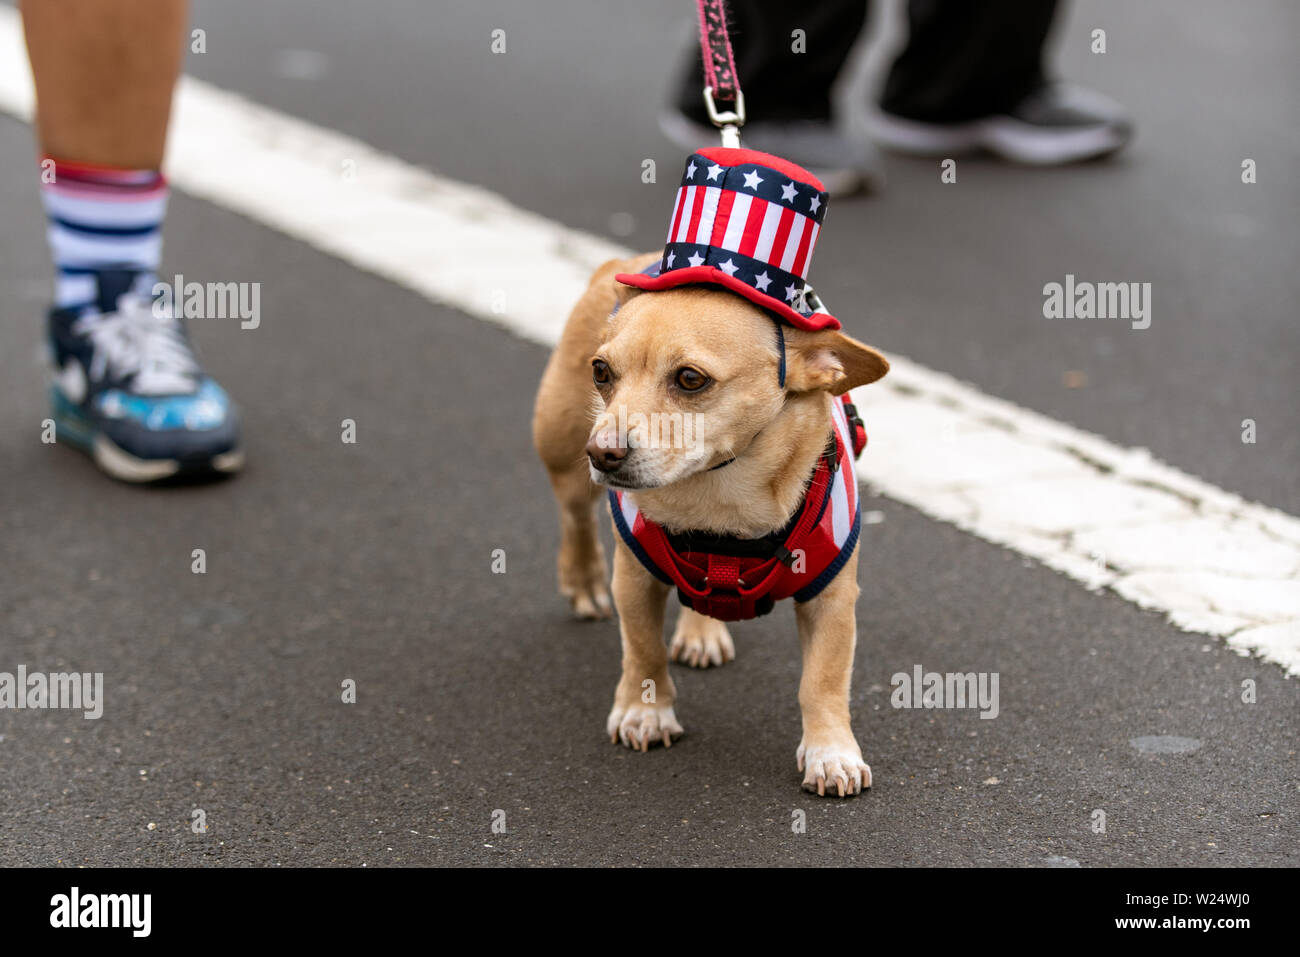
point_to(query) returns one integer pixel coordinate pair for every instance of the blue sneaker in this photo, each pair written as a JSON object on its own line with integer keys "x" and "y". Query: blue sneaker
{"x": 127, "y": 388}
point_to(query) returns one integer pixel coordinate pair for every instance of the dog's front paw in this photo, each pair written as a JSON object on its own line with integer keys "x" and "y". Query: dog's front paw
{"x": 700, "y": 641}
{"x": 642, "y": 725}
{"x": 837, "y": 766}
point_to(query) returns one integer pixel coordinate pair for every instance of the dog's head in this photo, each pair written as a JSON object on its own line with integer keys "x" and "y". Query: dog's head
{"x": 688, "y": 377}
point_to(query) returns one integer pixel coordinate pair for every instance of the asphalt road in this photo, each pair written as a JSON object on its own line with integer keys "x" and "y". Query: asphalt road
{"x": 476, "y": 692}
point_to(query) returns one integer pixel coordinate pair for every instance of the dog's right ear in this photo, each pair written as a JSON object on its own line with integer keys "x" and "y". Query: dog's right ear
{"x": 829, "y": 360}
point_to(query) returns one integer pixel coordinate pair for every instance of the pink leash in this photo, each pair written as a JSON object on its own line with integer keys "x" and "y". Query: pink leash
{"x": 722, "y": 96}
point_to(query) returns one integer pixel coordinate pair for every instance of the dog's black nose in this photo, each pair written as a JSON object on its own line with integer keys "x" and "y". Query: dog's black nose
{"x": 605, "y": 458}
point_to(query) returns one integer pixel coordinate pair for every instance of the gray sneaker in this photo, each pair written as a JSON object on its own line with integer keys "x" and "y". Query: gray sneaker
{"x": 845, "y": 163}
{"x": 1056, "y": 124}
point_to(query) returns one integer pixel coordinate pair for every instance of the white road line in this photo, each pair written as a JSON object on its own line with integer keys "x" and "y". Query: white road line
{"x": 1107, "y": 516}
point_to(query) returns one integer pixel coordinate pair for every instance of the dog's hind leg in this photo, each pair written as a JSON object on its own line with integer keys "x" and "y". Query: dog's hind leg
{"x": 581, "y": 561}
{"x": 700, "y": 641}
{"x": 560, "y": 427}
{"x": 562, "y": 420}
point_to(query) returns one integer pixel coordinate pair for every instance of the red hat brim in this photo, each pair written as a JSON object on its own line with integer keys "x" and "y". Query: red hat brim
{"x": 713, "y": 276}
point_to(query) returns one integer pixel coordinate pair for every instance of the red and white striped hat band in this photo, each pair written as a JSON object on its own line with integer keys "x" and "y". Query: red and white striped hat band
{"x": 746, "y": 221}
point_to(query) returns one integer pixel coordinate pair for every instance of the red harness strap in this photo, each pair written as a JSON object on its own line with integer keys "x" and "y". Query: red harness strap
{"x": 732, "y": 588}
{"x": 732, "y": 579}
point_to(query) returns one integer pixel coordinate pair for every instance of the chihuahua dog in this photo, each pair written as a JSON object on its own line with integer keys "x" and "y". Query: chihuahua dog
{"x": 762, "y": 404}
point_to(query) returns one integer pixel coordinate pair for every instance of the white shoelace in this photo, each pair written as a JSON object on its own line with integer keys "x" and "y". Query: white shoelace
{"x": 137, "y": 342}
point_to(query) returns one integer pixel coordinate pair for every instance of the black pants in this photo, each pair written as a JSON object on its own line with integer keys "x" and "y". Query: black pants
{"x": 963, "y": 59}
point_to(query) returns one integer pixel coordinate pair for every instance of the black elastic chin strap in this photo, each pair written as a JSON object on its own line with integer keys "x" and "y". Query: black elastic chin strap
{"x": 780, "y": 348}
{"x": 780, "y": 380}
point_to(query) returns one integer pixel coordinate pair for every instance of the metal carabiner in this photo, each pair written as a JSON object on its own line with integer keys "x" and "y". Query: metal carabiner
{"x": 728, "y": 122}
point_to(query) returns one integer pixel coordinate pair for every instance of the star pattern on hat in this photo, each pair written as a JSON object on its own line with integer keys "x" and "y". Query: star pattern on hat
{"x": 800, "y": 296}
{"x": 715, "y": 241}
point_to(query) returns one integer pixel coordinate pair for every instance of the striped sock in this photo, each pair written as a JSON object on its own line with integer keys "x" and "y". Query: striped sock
{"x": 101, "y": 218}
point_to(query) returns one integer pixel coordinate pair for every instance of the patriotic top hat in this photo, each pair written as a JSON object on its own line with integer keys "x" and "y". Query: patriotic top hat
{"x": 746, "y": 221}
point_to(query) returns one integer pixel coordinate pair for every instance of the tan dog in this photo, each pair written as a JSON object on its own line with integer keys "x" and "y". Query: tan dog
{"x": 706, "y": 353}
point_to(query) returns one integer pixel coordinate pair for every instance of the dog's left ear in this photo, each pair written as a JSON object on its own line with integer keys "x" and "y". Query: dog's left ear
{"x": 829, "y": 360}
{"x": 624, "y": 293}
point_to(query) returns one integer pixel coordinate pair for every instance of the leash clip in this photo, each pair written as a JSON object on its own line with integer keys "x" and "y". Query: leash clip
{"x": 728, "y": 122}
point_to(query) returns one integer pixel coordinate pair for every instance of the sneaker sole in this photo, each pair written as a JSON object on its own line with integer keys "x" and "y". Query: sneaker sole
{"x": 127, "y": 468}
{"x": 1002, "y": 136}
{"x": 116, "y": 462}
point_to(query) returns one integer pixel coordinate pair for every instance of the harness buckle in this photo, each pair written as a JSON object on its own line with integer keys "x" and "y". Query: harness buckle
{"x": 857, "y": 427}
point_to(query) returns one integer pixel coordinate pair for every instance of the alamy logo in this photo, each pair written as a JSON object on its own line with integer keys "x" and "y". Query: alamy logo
{"x": 210, "y": 300}
{"x": 1098, "y": 300}
{"x": 658, "y": 430}
{"x": 75, "y": 909}
{"x": 930, "y": 689}
{"x": 59, "y": 690}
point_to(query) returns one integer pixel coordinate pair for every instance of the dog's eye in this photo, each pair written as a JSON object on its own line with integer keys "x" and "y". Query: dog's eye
{"x": 600, "y": 373}
{"x": 691, "y": 380}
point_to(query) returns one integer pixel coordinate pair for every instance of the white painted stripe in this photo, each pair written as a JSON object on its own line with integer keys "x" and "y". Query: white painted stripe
{"x": 708, "y": 212}
{"x": 736, "y": 223}
{"x": 1209, "y": 560}
{"x": 684, "y": 227}
{"x": 1107, "y": 516}
{"x": 767, "y": 232}
{"x": 792, "y": 242}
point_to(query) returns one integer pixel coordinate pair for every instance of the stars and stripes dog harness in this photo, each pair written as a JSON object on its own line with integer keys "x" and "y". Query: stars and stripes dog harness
{"x": 733, "y": 579}
{"x": 746, "y": 221}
